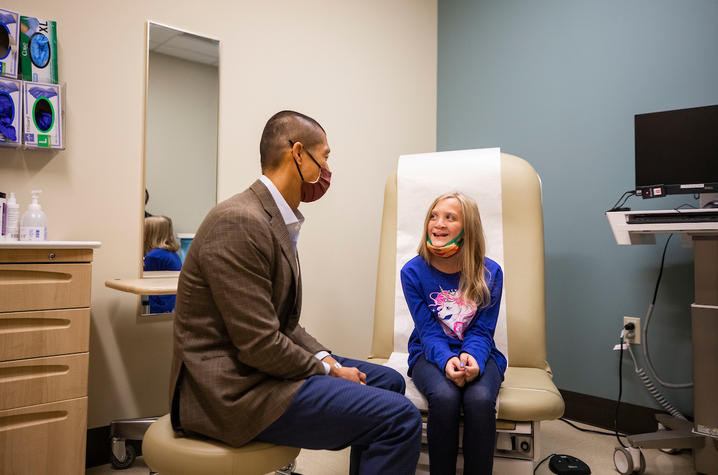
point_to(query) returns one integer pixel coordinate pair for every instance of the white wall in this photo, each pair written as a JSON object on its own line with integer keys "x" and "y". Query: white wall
{"x": 366, "y": 70}
{"x": 181, "y": 160}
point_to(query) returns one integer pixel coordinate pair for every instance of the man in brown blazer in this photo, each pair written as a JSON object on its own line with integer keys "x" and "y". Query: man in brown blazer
{"x": 243, "y": 368}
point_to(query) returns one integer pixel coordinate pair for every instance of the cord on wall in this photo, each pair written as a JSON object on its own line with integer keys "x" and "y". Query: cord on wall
{"x": 644, "y": 332}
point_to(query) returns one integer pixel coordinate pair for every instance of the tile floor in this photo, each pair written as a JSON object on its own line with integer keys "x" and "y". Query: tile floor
{"x": 556, "y": 437}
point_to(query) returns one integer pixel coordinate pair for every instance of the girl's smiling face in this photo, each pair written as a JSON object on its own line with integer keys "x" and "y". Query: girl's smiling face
{"x": 446, "y": 222}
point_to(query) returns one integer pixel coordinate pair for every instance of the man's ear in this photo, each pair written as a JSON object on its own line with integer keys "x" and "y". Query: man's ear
{"x": 297, "y": 150}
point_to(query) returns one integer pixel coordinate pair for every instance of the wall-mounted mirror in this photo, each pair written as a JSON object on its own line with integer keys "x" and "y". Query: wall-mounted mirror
{"x": 180, "y": 148}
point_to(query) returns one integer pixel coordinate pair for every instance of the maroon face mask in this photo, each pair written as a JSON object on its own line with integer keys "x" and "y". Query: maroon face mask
{"x": 314, "y": 191}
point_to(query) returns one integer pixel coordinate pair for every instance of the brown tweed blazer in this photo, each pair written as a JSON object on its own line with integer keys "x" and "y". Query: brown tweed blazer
{"x": 239, "y": 354}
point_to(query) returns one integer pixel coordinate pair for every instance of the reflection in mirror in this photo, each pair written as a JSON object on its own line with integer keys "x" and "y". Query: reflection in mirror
{"x": 180, "y": 149}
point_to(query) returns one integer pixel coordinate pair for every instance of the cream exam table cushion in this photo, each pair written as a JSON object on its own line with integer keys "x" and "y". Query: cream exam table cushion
{"x": 527, "y": 394}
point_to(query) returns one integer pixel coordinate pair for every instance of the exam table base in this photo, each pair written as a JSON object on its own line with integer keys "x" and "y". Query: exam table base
{"x": 517, "y": 448}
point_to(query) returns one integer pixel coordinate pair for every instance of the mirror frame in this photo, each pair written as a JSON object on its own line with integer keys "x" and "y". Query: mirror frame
{"x": 143, "y": 168}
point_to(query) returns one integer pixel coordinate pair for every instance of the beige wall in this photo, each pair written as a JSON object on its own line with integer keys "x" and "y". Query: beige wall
{"x": 365, "y": 69}
{"x": 181, "y": 175}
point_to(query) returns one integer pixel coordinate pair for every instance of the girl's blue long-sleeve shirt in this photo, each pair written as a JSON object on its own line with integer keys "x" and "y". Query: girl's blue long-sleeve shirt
{"x": 162, "y": 259}
{"x": 421, "y": 284}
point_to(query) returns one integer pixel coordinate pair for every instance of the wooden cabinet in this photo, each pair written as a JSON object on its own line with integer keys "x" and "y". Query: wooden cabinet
{"x": 44, "y": 355}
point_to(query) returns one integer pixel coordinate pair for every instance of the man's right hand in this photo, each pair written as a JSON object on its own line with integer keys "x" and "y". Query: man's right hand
{"x": 347, "y": 372}
{"x": 455, "y": 372}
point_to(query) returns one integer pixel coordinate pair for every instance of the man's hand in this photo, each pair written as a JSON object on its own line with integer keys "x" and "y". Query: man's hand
{"x": 471, "y": 366}
{"x": 455, "y": 372}
{"x": 346, "y": 372}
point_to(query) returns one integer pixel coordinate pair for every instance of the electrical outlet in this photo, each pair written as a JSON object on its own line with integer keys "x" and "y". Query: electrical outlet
{"x": 636, "y": 340}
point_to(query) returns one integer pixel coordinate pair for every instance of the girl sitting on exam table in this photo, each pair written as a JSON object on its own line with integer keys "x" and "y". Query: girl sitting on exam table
{"x": 454, "y": 292}
{"x": 160, "y": 250}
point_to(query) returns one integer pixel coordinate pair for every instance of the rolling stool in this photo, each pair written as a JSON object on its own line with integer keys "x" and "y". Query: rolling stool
{"x": 169, "y": 454}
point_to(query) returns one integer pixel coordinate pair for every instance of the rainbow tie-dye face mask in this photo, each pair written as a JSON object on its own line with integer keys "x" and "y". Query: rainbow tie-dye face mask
{"x": 448, "y": 249}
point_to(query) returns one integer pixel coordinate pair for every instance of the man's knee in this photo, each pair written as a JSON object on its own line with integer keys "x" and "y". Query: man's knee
{"x": 387, "y": 378}
{"x": 403, "y": 414}
{"x": 395, "y": 381}
{"x": 410, "y": 418}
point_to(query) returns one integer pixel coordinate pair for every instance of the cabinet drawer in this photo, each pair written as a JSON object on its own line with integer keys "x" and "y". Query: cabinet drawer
{"x": 44, "y": 286}
{"x": 44, "y": 439}
{"x": 52, "y": 332}
{"x": 41, "y": 380}
{"x": 27, "y": 256}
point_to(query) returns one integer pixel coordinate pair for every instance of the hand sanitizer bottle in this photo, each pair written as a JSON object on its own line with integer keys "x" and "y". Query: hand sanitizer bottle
{"x": 34, "y": 222}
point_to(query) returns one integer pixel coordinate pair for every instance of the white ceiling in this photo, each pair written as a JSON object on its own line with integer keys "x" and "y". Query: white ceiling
{"x": 181, "y": 44}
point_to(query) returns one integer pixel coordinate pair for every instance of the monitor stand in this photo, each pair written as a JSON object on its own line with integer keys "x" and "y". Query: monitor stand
{"x": 702, "y": 434}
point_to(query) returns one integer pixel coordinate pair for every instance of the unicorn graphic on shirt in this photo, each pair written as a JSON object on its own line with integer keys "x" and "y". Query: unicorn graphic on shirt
{"x": 453, "y": 311}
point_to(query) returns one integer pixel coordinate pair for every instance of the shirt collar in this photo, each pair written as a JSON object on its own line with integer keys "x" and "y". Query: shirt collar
{"x": 293, "y": 219}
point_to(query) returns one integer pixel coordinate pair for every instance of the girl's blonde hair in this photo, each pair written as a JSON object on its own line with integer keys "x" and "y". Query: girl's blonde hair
{"x": 159, "y": 234}
{"x": 472, "y": 283}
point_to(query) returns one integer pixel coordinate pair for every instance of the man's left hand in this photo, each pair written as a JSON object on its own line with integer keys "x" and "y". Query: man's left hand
{"x": 352, "y": 374}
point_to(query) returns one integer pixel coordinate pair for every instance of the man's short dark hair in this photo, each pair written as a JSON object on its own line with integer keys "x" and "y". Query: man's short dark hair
{"x": 283, "y": 127}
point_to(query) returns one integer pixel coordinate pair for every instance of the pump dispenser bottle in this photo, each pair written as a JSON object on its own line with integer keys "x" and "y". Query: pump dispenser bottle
{"x": 3, "y": 216}
{"x": 34, "y": 222}
{"x": 12, "y": 228}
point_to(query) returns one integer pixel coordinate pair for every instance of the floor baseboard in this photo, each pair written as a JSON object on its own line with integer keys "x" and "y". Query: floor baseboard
{"x": 98, "y": 446}
{"x": 600, "y": 412}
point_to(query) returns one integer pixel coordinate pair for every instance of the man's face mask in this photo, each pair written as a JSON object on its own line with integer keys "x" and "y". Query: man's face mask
{"x": 312, "y": 191}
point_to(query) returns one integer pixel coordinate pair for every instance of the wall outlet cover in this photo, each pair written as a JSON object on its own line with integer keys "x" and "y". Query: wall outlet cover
{"x": 636, "y": 340}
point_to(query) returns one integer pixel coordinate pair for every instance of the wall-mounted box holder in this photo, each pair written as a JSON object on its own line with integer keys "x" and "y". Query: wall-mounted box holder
{"x": 44, "y": 113}
{"x": 11, "y": 116}
{"x": 38, "y": 50}
{"x": 9, "y": 41}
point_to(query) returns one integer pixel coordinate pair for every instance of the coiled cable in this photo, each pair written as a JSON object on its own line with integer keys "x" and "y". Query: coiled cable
{"x": 651, "y": 388}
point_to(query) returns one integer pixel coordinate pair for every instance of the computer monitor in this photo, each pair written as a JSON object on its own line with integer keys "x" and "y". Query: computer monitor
{"x": 677, "y": 152}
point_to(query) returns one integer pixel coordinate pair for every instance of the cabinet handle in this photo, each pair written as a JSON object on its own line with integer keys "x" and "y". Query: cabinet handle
{"x": 20, "y": 421}
{"x": 51, "y": 256}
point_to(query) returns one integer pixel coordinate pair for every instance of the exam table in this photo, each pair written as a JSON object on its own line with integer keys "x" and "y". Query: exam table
{"x": 528, "y": 394}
